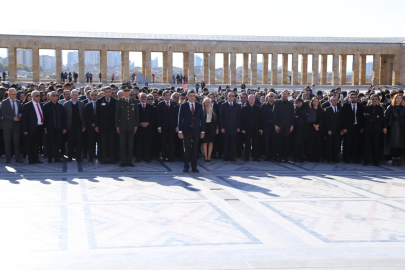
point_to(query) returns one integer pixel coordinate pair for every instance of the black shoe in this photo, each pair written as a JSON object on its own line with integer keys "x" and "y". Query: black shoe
{"x": 69, "y": 159}
{"x": 185, "y": 170}
{"x": 137, "y": 161}
{"x": 8, "y": 161}
{"x": 50, "y": 160}
{"x": 39, "y": 162}
{"x": 122, "y": 165}
{"x": 365, "y": 164}
{"x": 79, "y": 160}
{"x": 195, "y": 170}
{"x": 268, "y": 159}
{"x": 84, "y": 156}
{"x": 232, "y": 159}
{"x": 131, "y": 164}
{"x": 147, "y": 161}
{"x": 58, "y": 160}
{"x": 247, "y": 159}
{"x": 90, "y": 160}
{"x": 376, "y": 164}
{"x": 285, "y": 160}
{"x": 225, "y": 159}
{"x": 31, "y": 162}
{"x": 19, "y": 161}
{"x": 257, "y": 160}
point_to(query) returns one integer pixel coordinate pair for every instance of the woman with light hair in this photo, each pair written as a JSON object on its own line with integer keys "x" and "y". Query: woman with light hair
{"x": 211, "y": 129}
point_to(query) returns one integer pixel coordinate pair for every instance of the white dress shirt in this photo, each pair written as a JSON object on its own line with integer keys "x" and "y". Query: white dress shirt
{"x": 36, "y": 111}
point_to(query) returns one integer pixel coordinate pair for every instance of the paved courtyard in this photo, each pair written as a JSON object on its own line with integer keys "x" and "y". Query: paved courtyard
{"x": 232, "y": 215}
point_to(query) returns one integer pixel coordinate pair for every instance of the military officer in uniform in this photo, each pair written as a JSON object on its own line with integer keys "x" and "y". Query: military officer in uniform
{"x": 126, "y": 123}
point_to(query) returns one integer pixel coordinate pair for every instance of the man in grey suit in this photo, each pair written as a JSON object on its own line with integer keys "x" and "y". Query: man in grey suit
{"x": 11, "y": 110}
{"x": 75, "y": 123}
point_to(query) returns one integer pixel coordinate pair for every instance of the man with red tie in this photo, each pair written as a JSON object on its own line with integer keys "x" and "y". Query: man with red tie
{"x": 167, "y": 125}
{"x": 33, "y": 127}
{"x": 191, "y": 126}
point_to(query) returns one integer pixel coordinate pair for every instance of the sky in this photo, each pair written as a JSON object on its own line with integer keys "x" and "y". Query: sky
{"x": 345, "y": 18}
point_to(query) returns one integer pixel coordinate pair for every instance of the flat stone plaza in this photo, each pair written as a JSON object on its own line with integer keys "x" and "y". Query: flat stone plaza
{"x": 232, "y": 215}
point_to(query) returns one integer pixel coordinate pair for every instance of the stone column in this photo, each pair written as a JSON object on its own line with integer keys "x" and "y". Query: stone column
{"x": 363, "y": 69}
{"x": 284, "y": 72}
{"x": 402, "y": 66}
{"x": 58, "y": 55}
{"x": 274, "y": 68}
{"x": 315, "y": 68}
{"x": 212, "y": 68}
{"x": 294, "y": 70}
{"x": 164, "y": 68}
{"x": 146, "y": 57}
{"x": 356, "y": 66}
{"x": 383, "y": 70}
{"x": 12, "y": 64}
{"x": 205, "y": 67}
{"x": 103, "y": 66}
{"x": 265, "y": 69}
{"x": 253, "y": 68}
{"x": 335, "y": 69}
{"x": 396, "y": 70}
{"x": 185, "y": 63}
{"x": 169, "y": 71}
{"x": 245, "y": 71}
{"x": 35, "y": 65}
{"x": 125, "y": 67}
{"x": 304, "y": 69}
{"x": 82, "y": 77}
{"x": 343, "y": 64}
{"x": 324, "y": 66}
{"x": 233, "y": 68}
{"x": 225, "y": 69}
{"x": 191, "y": 68}
{"x": 376, "y": 68}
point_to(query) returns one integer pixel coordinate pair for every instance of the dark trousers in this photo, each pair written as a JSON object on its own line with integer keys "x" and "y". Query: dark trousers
{"x": 270, "y": 142}
{"x": 229, "y": 147}
{"x": 218, "y": 145}
{"x": 240, "y": 144}
{"x": 167, "y": 139}
{"x": 126, "y": 146}
{"x": 351, "y": 144}
{"x": 54, "y": 137}
{"x": 85, "y": 145}
{"x": 91, "y": 141}
{"x": 107, "y": 144}
{"x": 12, "y": 138}
{"x": 63, "y": 144}
{"x": 283, "y": 147}
{"x": 252, "y": 141}
{"x": 142, "y": 150}
{"x": 75, "y": 142}
{"x": 33, "y": 141}
{"x": 333, "y": 146}
{"x": 190, "y": 149}
{"x": 371, "y": 146}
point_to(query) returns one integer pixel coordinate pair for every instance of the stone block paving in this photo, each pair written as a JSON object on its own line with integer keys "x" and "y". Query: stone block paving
{"x": 232, "y": 215}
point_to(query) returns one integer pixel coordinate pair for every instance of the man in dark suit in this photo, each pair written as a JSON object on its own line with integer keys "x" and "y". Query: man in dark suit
{"x": 352, "y": 123}
{"x": 144, "y": 133}
{"x": 218, "y": 140}
{"x": 75, "y": 125}
{"x": 333, "y": 129}
{"x": 191, "y": 126}
{"x": 230, "y": 125}
{"x": 167, "y": 125}
{"x": 240, "y": 138}
{"x": 126, "y": 122}
{"x": 54, "y": 126}
{"x": 33, "y": 126}
{"x": 283, "y": 124}
{"x": 267, "y": 125}
{"x": 250, "y": 126}
{"x": 105, "y": 124}
{"x": 11, "y": 112}
{"x": 373, "y": 127}
{"x": 89, "y": 115}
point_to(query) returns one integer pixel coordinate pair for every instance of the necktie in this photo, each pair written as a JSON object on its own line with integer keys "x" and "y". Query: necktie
{"x": 231, "y": 104}
{"x": 108, "y": 101}
{"x": 168, "y": 105}
{"x": 143, "y": 106}
{"x": 192, "y": 108}
{"x": 242, "y": 105}
{"x": 40, "y": 114}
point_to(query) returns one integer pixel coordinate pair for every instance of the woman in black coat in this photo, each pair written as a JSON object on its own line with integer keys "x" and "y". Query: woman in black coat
{"x": 395, "y": 129}
{"x": 211, "y": 129}
{"x": 315, "y": 131}
{"x": 299, "y": 119}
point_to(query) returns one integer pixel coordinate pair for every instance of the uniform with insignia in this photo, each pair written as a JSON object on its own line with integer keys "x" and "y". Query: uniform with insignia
{"x": 126, "y": 120}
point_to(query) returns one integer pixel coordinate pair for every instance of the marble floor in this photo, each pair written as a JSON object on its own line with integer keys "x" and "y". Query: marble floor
{"x": 232, "y": 215}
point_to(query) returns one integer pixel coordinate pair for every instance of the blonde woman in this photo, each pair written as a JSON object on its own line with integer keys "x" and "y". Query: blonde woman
{"x": 211, "y": 128}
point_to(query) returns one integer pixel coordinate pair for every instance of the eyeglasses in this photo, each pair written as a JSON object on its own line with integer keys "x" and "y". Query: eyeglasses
{"x": 149, "y": 99}
{"x": 36, "y": 96}
{"x": 374, "y": 99}
{"x": 231, "y": 96}
{"x": 54, "y": 95}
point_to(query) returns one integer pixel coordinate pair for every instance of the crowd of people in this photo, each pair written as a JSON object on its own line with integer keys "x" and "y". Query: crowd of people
{"x": 119, "y": 126}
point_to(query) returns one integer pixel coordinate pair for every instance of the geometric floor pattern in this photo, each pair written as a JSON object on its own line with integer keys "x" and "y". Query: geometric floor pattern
{"x": 232, "y": 215}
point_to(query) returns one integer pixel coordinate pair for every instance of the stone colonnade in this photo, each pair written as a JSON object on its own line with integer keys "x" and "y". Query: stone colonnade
{"x": 388, "y": 63}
